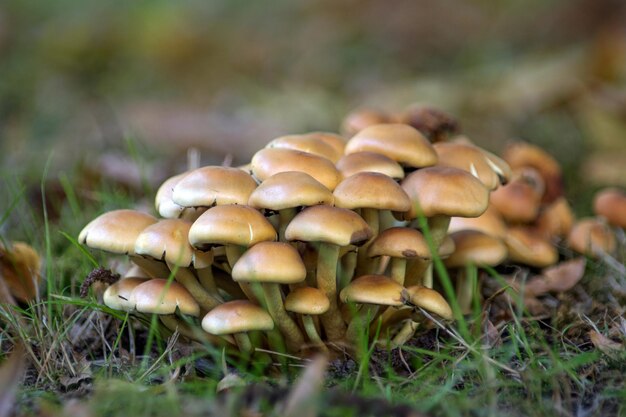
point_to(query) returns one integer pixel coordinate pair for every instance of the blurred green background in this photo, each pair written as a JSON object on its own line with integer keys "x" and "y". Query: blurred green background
{"x": 90, "y": 80}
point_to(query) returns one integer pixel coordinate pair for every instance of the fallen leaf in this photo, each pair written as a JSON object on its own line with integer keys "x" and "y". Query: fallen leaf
{"x": 11, "y": 373}
{"x": 558, "y": 278}
{"x": 20, "y": 269}
{"x": 604, "y": 344}
{"x": 302, "y": 401}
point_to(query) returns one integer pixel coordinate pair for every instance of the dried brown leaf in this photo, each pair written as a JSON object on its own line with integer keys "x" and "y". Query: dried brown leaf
{"x": 558, "y": 278}
{"x": 302, "y": 401}
{"x": 604, "y": 344}
{"x": 20, "y": 270}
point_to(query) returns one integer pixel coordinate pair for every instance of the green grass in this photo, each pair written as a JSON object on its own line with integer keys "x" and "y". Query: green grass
{"x": 125, "y": 365}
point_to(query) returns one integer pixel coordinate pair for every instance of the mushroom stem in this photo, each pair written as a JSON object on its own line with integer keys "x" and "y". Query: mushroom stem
{"x": 438, "y": 226}
{"x": 398, "y": 270}
{"x": 205, "y": 276}
{"x": 244, "y": 344}
{"x": 328, "y": 257}
{"x": 155, "y": 269}
{"x": 311, "y": 332}
{"x": 359, "y": 322}
{"x": 183, "y": 275}
{"x": 465, "y": 288}
{"x": 364, "y": 263}
{"x": 174, "y": 324}
{"x": 348, "y": 265}
{"x": 405, "y": 334}
{"x": 284, "y": 217}
{"x": 253, "y": 292}
{"x": 288, "y": 327}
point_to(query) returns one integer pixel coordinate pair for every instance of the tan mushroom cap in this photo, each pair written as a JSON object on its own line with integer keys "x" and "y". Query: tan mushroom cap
{"x": 158, "y": 296}
{"x": 610, "y": 203}
{"x": 337, "y": 142}
{"x": 307, "y": 300}
{"x": 328, "y": 224}
{"x": 230, "y": 225}
{"x": 237, "y": 316}
{"x": 591, "y": 237}
{"x": 400, "y": 242}
{"x": 165, "y": 206}
{"x": 213, "y": 185}
{"x": 444, "y": 191}
{"x": 115, "y": 231}
{"x": 166, "y": 240}
{"x": 518, "y": 201}
{"x": 117, "y": 295}
{"x": 270, "y": 161}
{"x": 399, "y": 142}
{"x": 490, "y": 222}
{"x": 431, "y": 121}
{"x": 430, "y": 300}
{"x": 556, "y": 219}
{"x": 373, "y": 289}
{"x": 369, "y": 162}
{"x": 528, "y": 247}
{"x": 273, "y": 262}
{"x": 474, "y": 160}
{"x": 290, "y": 189}
{"x": 473, "y": 246}
{"x": 308, "y": 142}
{"x": 371, "y": 190}
{"x": 522, "y": 154}
{"x": 359, "y": 119}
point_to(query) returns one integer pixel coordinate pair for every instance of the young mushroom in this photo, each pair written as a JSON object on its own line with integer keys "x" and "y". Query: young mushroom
{"x": 309, "y": 302}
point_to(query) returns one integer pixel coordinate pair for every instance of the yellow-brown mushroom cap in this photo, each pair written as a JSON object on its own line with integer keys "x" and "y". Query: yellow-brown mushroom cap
{"x": 478, "y": 248}
{"x": 610, "y": 203}
{"x": 117, "y": 295}
{"x": 213, "y": 185}
{"x": 359, "y": 119}
{"x": 373, "y": 289}
{"x": 115, "y": 231}
{"x": 369, "y": 162}
{"x": 230, "y": 225}
{"x": 308, "y": 142}
{"x": 307, "y": 300}
{"x": 328, "y": 224}
{"x": 556, "y": 219}
{"x": 530, "y": 248}
{"x": 158, "y": 296}
{"x": 237, "y": 316}
{"x": 270, "y": 161}
{"x": 490, "y": 222}
{"x": 444, "y": 191}
{"x": 166, "y": 240}
{"x": 430, "y": 300}
{"x": 290, "y": 189}
{"x": 165, "y": 206}
{"x": 371, "y": 190}
{"x": 519, "y": 201}
{"x": 399, "y": 142}
{"x": 591, "y": 237}
{"x": 400, "y": 242}
{"x": 272, "y": 262}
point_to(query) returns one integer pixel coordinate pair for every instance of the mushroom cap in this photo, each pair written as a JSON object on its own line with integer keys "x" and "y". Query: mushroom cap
{"x": 371, "y": 190}
{"x": 373, "y": 289}
{"x": 474, "y": 160}
{"x": 307, "y": 300}
{"x": 230, "y": 225}
{"x": 359, "y": 119}
{"x": 473, "y": 246}
{"x": 270, "y": 161}
{"x": 528, "y": 247}
{"x": 522, "y": 154}
{"x": 290, "y": 189}
{"x": 490, "y": 222}
{"x": 369, "y": 162}
{"x": 337, "y": 142}
{"x": 237, "y": 316}
{"x": 160, "y": 296}
{"x": 117, "y": 295}
{"x": 556, "y": 219}
{"x": 272, "y": 262}
{"x": 519, "y": 201}
{"x": 591, "y": 237}
{"x": 308, "y": 142}
{"x": 610, "y": 203}
{"x": 444, "y": 191}
{"x": 399, "y": 242}
{"x": 430, "y": 300}
{"x": 166, "y": 240}
{"x": 213, "y": 185}
{"x": 432, "y": 122}
{"x": 399, "y": 142}
{"x": 115, "y": 231}
{"x": 165, "y": 206}
{"x": 328, "y": 224}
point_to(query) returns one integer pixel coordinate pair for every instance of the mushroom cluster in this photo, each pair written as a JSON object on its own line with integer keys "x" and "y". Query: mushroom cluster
{"x": 320, "y": 237}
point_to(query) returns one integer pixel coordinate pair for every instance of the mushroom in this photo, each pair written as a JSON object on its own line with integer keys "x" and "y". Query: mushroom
{"x": 555, "y": 220}
{"x": 433, "y": 123}
{"x": 272, "y": 264}
{"x": 519, "y": 201}
{"x": 117, "y": 295}
{"x": 359, "y": 119}
{"x": 332, "y": 228}
{"x": 236, "y": 318}
{"x": 610, "y": 203}
{"x": 371, "y": 291}
{"x": 310, "y": 143}
{"x": 369, "y": 162}
{"x": 309, "y": 302}
{"x": 167, "y": 208}
{"x": 592, "y": 238}
{"x": 528, "y": 247}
